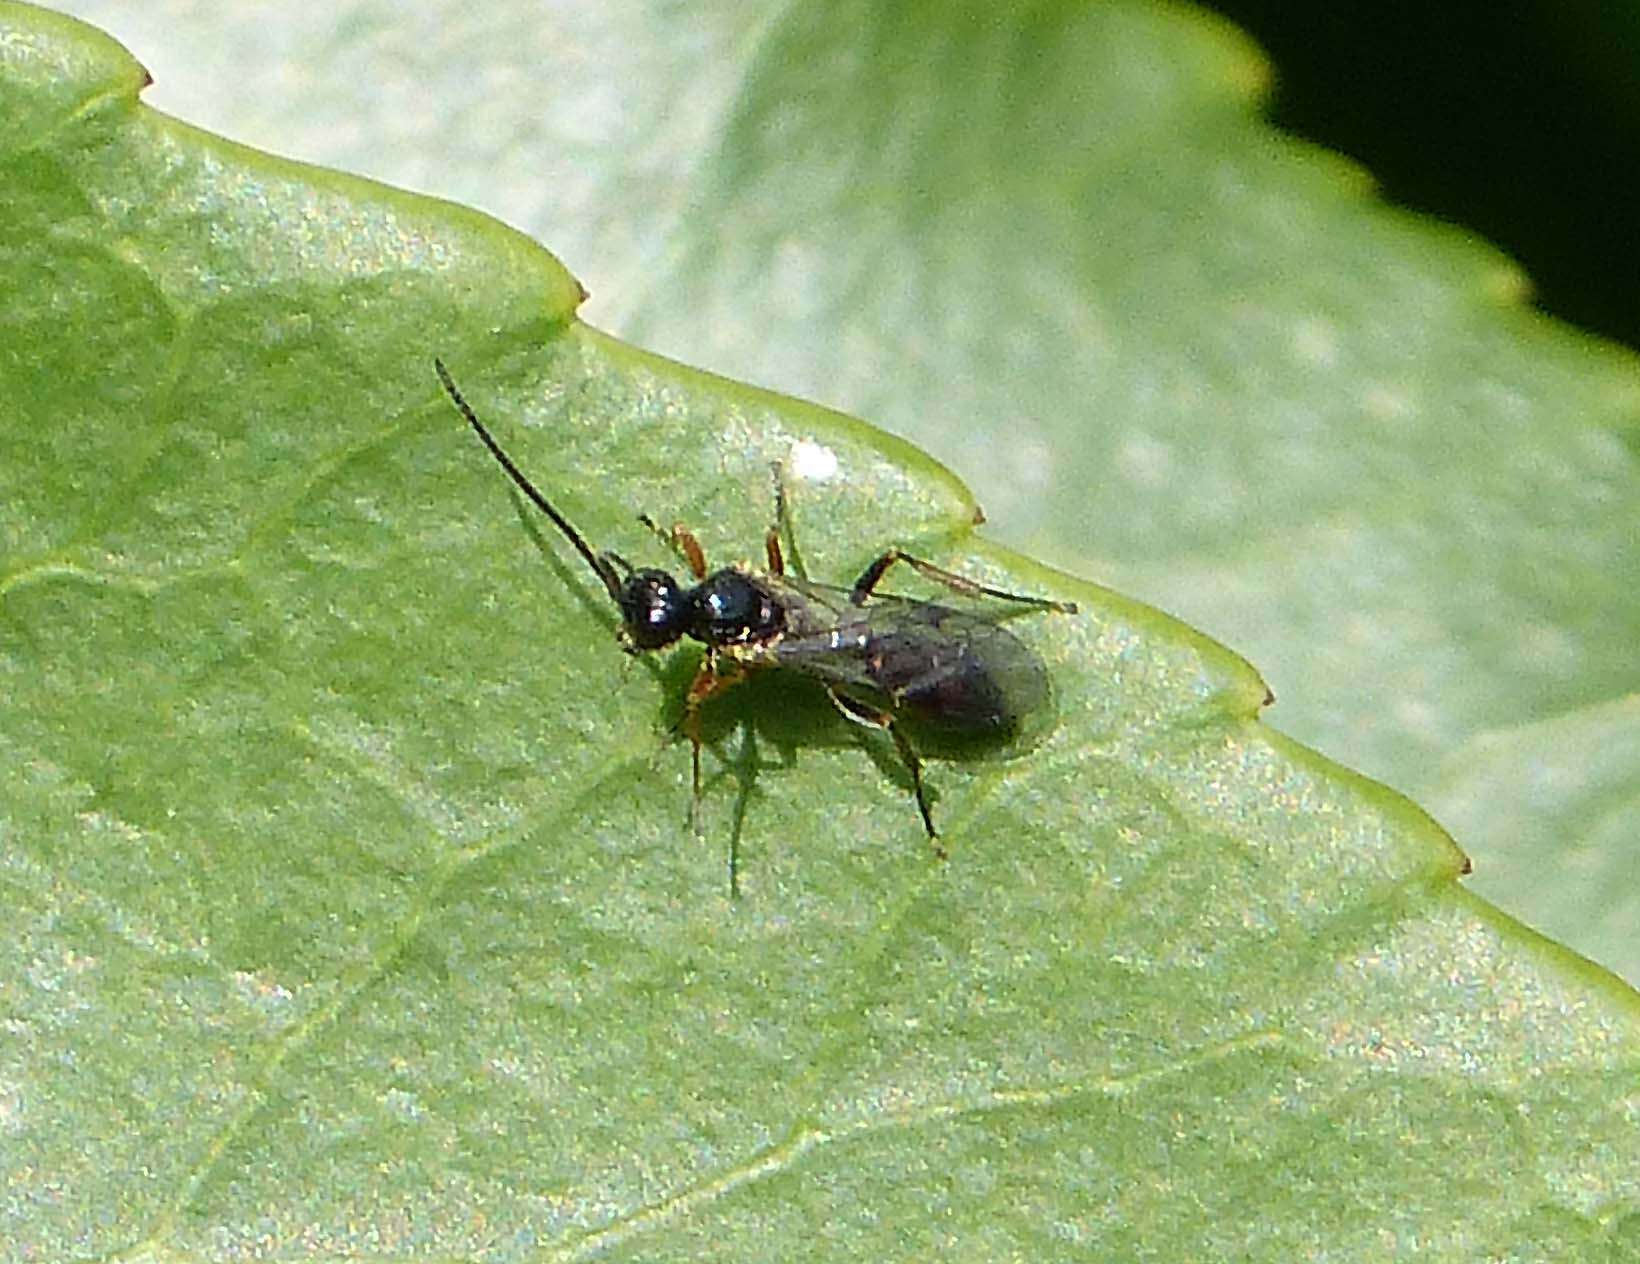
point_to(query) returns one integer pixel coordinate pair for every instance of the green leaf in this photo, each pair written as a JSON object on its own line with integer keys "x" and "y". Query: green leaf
{"x": 1164, "y": 345}
{"x": 352, "y": 908}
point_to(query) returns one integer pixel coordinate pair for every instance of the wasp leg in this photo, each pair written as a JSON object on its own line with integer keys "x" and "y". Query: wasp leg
{"x": 771, "y": 546}
{"x": 708, "y": 683}
{"x": 873, "y": 574}
{"x": 782, "y": 527}
{"x": 872, "y": 718}
{"x": 771, "y": 537}
{"x": 681, "y": 540}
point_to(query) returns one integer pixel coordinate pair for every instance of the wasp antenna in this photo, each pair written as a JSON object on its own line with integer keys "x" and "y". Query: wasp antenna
{"x": 600, "y": 567}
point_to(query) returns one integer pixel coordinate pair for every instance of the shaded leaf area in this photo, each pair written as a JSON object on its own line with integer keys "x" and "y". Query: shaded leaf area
{"x": 350, "y": 900}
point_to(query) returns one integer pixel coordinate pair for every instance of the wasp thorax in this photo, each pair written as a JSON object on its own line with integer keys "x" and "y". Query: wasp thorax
{"x": 654, "y": 609}
{"x": 731, "y": 607}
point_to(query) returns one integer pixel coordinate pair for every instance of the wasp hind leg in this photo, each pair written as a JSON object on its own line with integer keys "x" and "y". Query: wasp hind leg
{"x": 874, "y": 718}
{"x": 873, "y": 575}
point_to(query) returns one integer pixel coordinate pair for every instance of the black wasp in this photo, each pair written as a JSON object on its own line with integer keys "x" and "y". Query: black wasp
{"x": 952, "y": 671}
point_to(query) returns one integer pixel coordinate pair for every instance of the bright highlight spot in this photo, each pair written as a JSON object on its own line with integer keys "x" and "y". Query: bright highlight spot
{"x": 812, "y": 462}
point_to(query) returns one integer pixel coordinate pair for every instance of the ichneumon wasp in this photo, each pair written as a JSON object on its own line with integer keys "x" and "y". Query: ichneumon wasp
{"x": 950, "y": 669}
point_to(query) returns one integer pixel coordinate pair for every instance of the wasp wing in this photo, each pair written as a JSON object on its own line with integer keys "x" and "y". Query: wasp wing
{"x": 949, "y": 665}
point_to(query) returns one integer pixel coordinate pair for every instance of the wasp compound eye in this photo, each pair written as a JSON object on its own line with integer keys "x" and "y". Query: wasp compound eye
{"x": 655, "y": 609}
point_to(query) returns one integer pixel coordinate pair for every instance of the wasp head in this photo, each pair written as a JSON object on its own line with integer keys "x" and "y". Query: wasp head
{"x": 655, "y": 610}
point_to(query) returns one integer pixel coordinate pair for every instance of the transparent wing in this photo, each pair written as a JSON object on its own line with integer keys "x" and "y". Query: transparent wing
{"x": 951, "y": 666}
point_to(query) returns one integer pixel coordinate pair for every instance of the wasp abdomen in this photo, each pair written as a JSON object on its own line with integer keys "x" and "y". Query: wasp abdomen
{"x": 981, "y": 684}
